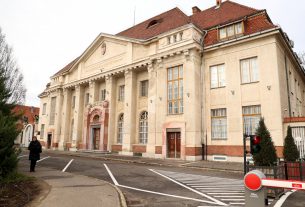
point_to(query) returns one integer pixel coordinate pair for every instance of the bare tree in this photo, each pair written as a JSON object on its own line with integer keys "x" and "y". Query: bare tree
{"x": 13, "y": 77}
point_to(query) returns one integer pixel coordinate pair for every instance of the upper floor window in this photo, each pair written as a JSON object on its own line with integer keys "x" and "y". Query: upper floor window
{"x": 44, "y": 108}
{"x": 103, "y": 95}
{"x": 231, "y": 31}
{"x": 144, "y": 88}
{"x": 249, "y": 70}
{"x": 52, "y": 110}
{"x": 42, "y": 131}
{"x": 121, "y": 92}
{"x": 219, "y": 123}
{"x": 87, "y": 98}
{"x": 251, "y": 117}
{"x": 175, "y": 90}
{"x": 73, "y": 102}
{"x": 218, "y": 76}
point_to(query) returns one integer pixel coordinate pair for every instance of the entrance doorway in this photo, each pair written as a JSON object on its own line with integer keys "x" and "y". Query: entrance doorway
{"x": 173, "y": 144}
{"x": 96, "y": 138}
{"x": 49, "y": 141}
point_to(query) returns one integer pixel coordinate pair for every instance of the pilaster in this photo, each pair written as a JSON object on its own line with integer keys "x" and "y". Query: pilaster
{"x": 65, "y": 120}
{"x": 93, "y": 91}
{"x": 111, "y": 98}
{"x": 129, "y": 112}
{"x": 58, "y": 116}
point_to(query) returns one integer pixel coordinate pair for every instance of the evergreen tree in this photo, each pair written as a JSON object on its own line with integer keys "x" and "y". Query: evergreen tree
{"x": 10, "y": 94}
{"x": 291, "y": 152}
{"x": 267, "y": 154}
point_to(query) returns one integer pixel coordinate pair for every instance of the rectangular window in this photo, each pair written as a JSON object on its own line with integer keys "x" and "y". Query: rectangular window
{"x": 218, "y": 76}
{"x": 249, "y": 70}
{"x": 175, "y": 90}
{"x": 103, "y": 95}
{"x": 121, "y": 93}
{"x": 251, "y": 117}
{"x": 44, "y": 108}
{"x": 42, "y": 131}
{"x": 144, "y": 88}
{"x": 87, "y": 99}
{"x": 52, "y": 110}
{"x": 219, "y": 124}
{"x": 73, "y": 102}
{"x": 231, "y": 31}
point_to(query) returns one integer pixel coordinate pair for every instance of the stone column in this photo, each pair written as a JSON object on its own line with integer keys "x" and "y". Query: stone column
{"x": 65, "y": 120}
{"x": 152, "y": 98}
{"x": 58, "y": 115}
{"x": 129, "y": 112}
{"x": 93, "y": 91}
{"x": 111, "y": 98}
{"x": 78, "y": 117}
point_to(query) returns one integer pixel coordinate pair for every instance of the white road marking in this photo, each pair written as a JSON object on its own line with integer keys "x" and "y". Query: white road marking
{"x": 43, "y": 159}
{"x": 232, "y": 199}
{"x": 283, "y": 198}
{"x": 112, "y": 177}
{"x": 21, "y": 156}
{"x": 67, "y": 165}
{"x": 237, "y": 203}
{"x": 191, "y": 189}
{"x": 153, "y": 192}
{"x": 230, "y": 196}
{"x": 226, "y": 193}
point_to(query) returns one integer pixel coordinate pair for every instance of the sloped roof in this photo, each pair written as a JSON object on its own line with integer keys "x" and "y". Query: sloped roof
{"x": 67, "y": 67}
{"x": 227, "y": 12}
{"x": 164, "y": 22}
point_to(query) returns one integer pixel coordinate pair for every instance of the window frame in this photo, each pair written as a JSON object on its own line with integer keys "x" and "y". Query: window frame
{"x": 235, "y": 29}
{"x": 144, "y": 84}
{"x": 250, "y": 70}
{"x": 44, "y": 108}
{"x": 143, "y": 127}
{"x": 257, "y": 115}
{"x": 120, "y": 130}
{"x": 103, "y": 95}
{"x": 218, "y": 76}
{"x": 42, "y": 129}
{"x": 52, "y": 110}
{"x": 219, "y": 117}
{"x": 180, "y": 94}
{"x": 121, "y": 95}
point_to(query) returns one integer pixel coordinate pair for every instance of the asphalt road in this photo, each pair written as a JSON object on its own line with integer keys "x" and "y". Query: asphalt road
{"x": 152, "y": 186}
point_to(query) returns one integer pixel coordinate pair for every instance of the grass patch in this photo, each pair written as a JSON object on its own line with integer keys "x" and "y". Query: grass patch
{"x": 16, "y": 177}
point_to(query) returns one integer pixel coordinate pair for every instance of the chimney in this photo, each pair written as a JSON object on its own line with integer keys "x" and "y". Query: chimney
{"x": 218, "y": 3}
{"x": 195, "y": 9}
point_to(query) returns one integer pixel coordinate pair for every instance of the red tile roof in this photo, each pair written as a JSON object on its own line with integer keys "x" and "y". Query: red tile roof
{"x": 169, "y": 20}
{"x": 28, "y": 111}
{"x": 227, "y": 12}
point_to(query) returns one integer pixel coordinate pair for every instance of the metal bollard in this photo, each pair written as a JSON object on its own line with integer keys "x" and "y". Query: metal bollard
{"x": 255, "y": 193}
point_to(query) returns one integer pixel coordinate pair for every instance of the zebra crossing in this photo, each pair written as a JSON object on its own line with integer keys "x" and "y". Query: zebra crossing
{"x": 226, "y": 190}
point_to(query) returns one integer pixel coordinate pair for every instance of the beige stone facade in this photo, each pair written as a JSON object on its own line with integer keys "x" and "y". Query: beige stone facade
{"x": 102, "y": 102}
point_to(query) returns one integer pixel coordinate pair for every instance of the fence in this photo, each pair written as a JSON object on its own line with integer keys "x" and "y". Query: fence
{"x": 298, "y": 133}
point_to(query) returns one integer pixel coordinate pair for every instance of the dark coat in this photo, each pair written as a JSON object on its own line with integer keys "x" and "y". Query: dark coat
{"x": 35, "y": 150}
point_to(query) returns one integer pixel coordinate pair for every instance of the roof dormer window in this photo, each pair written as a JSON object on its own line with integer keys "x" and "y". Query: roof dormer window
{"x": 153, "y": 23}
{"x": 231, "y": 31}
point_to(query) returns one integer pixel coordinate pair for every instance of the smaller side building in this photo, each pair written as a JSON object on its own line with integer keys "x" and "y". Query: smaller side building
{"x": 28, "y": 124}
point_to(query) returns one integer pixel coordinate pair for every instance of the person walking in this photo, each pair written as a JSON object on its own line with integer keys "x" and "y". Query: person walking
{"x": 35, "y": 150}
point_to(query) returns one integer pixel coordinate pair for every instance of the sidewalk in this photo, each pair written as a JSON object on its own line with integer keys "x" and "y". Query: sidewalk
{"x": 201, "y": 164}
{"x": 69, "y": 190}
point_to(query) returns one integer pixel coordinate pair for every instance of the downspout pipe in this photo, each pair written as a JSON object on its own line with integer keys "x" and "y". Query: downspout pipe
{"x": 288, "y": 92}
{"x": 202, "y": 91}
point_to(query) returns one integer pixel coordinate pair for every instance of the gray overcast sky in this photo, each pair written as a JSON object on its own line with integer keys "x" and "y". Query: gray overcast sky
{"x": 48, "y": 34}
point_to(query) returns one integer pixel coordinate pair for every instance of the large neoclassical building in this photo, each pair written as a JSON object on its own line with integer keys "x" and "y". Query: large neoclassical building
{"x": 173, "y": 83}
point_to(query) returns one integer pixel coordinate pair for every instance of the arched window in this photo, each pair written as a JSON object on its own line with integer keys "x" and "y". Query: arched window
{"x": 143, "y": 130}
{"x": 120, "y": 128}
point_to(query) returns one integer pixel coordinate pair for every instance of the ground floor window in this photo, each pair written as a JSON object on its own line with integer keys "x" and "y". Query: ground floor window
{"x": 251, "y": 117}
{"x": 219, "y": 123}
{"x": 143, "y": 130}
{"x": 120, "y": 129}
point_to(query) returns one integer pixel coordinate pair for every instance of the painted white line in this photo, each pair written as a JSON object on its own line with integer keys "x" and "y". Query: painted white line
{"x": 191, "y": 189}
{"x": 43, "y": 159}
{"x": 229, "y": 199}
{"x": 21, "y": 156}
{"x": 168, "y": 195}
{"x": 280, "y": 202}
{"x": 153, "y": 192}
{"x": 219, "y": 188}
{"x": 112, "y": 177}
{"x": 189, "y": 163}
{"x": 67, "y": 165}
{"x": 237, "y": 203}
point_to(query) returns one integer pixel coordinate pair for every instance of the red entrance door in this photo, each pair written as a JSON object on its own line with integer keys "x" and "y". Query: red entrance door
{"x": 96, "y": 138}
{"x": 173, "y": 144}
